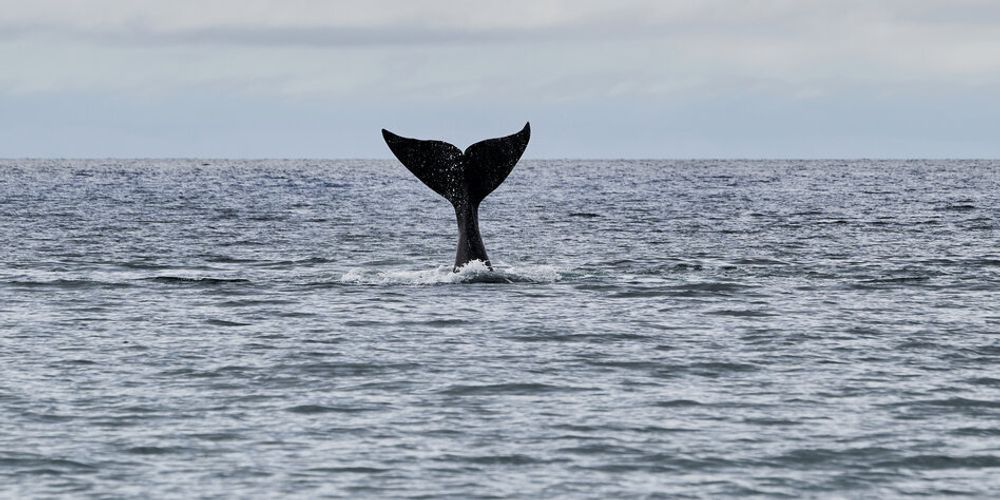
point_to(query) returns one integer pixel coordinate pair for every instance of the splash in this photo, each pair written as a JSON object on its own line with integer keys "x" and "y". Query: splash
{"x": 473, "y": 272}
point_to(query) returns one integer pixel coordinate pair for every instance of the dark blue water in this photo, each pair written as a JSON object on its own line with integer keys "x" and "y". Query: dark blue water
{"x": 292, "y": 328}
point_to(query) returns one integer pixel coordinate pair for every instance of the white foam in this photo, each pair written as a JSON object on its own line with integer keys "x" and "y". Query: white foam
{"x": 473, "y": 272}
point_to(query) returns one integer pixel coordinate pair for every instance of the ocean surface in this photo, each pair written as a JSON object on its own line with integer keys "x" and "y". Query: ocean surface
{"x": 225, "y": 328}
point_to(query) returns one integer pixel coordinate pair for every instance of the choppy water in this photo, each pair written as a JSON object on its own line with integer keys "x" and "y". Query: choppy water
{"x": 236, "y": 328}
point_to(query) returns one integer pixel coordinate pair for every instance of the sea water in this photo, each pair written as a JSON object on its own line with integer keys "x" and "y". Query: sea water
{"x": 218, "y": 328}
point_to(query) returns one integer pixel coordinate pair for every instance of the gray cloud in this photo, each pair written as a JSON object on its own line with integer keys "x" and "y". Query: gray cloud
{"x": 625, "y": 22}
{"x": 395, "y": 22}
{"x": 592, "y": 61}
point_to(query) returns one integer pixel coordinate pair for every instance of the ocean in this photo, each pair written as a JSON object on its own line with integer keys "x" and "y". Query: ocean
{"x": 293, "y": 328}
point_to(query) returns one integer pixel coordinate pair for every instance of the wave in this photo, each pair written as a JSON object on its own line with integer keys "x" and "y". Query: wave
{"x": 195, "y": 280}
{"x": 521, "y": 389}
{"x": 473, "y": 272}
{"x": 65, "y": 284}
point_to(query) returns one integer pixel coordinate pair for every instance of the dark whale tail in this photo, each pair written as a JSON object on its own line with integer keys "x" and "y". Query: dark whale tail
{"x": 464, "y": 179}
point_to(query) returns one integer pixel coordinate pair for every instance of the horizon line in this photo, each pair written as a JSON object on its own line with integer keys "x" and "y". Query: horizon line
{"x": 698, "y": 158}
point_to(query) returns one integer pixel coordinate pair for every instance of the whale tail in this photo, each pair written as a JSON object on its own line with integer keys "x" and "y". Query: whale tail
{"x": 462, "y": 178}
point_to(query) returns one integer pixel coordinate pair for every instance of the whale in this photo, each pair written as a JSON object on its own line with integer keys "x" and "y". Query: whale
{"x": 464, "y": 178}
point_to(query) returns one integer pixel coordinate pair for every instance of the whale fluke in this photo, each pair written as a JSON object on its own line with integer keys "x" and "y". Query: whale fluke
{"x": 464, "y": 179}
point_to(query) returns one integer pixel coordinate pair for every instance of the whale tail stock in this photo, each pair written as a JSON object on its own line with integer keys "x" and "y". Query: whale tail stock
{"x": 462, "y": 178}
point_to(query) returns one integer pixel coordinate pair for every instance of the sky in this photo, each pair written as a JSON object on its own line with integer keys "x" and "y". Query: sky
{"x": 596, "y": 79}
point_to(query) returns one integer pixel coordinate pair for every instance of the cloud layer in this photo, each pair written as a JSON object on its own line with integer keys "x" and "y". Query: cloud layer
{"x": 625, "y": 57}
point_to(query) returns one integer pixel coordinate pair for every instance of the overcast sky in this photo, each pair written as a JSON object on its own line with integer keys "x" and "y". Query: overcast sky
{"x": 604, "y": 79}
